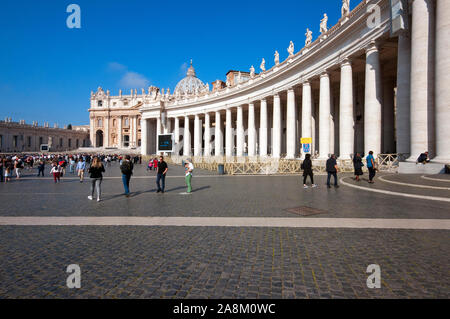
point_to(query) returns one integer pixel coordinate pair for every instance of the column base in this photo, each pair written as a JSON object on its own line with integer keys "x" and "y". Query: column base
{"x": 441, "y": 159}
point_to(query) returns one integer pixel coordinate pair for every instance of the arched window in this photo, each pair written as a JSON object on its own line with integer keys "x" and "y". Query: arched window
{"x": 114, "y": 123}
{"x": 99, "y": 123}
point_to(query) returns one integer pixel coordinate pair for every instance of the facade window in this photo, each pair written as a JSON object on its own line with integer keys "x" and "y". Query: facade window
{"x": 127, "y": 122}
{"x": 70, "y": 142}
{"x": 29, "y": 141}
{"x": 99, "y": 123}
{"x": 125, "y": 103}
{"x": 41, "y": 141}
{"x": 15, "y": 140}
{"x": 78, "y": 143}
{"x": 126, "y": 140}
{"x": 1, "y": 140}
{"x": 60, "y": 142}
{"x": 114, "y": 123}
{"x": 114, "y": 103}
{"x": 100, "y": 103}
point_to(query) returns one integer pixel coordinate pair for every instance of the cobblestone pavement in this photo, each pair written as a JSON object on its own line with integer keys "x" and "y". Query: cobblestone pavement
{"x": 218, "y": 262}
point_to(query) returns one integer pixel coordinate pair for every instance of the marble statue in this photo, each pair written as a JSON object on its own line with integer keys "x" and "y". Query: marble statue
{"x": 252, "y": 72}
{"x": 207, "y": 87}
{"x": 131, "y": 92}
{"x": 143, "y": 91}
{"x": 107, "y": 92}
{"x": 345, "y": 11}
{"x": 277, "y": 58}
{"x": 308, "y": 37}
{"x": 263, "y": 65}
{"x": 228, "y": 83}
{"x": 120, "y": 92}
{"x": 239, "y": 78}
{"x": 323, "y": 24}
{"x": 291, "y": 49}
{"x": 135, "y": 92}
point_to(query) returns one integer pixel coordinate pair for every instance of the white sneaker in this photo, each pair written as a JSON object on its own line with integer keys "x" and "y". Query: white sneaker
{"x": 314, "y": 186}
{"x": 305, "y": 186}
{"x": 90, "y": 198}
{"x": 99, "y": 200}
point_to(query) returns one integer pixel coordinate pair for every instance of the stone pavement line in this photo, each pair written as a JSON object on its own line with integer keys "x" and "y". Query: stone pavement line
{"x": 441, "y": 199}
{"x": 435, "y": 179}
{"x": 357, "y": 223}
{"x": 382, "y": 178}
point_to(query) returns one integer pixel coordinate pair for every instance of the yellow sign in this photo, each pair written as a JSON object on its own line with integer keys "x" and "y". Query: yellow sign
{"x": 307, "y": 140}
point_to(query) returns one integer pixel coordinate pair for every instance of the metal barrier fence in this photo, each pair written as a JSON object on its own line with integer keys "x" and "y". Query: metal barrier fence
{"x": 270, "y": 166}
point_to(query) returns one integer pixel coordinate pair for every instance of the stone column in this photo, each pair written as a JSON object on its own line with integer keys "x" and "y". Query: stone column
{"x": 197, "y": 135}
{"x": 240, "y": 132}
{"x": 144, "y": 137}
{"x": 135, "y": 131}
{"x": 324, "y": 116}
{"x": 276, "y": 141}
{"x": 207, "y": 135}
{"x": 422, "y": 60}
{"x": 388, "y": 117}
{"x": 263, "y": 129}
{"x": 403, "y": 94}
{"x": 306, "y": 112}
{"x": 372, "y": 102}
{"x": 106, "y": 135}
{"x": 158, "y": 132}
{"x": 119, "y": 132}
{"x": 290, "y": 125}
{"x": 219, "y": 135}
{"x": 332, "y": 117}
{"x": 442, "y": 81}
{"x": 92, "y": 132}
{"x": 251, "y": 131}
{"x": 229, "y": 134}
{"x": 177, "y": 136}
{"x": 346, "y": 122}
{"x": 187, "y": 137}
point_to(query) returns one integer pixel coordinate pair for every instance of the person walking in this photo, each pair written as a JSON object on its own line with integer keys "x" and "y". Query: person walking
{"x": 96, "y": 174}
{"x": 127, "y": 170}
{"x": 161, "y": 175}
{"x": 41, "y": 168}
{"x": 18, "y": 166}
{"x": 358, "y": 165}
{"x": 371, "y": 166}
{"x": 81, "y": 168}
{"x": 155, "y": 164}
{"x": 332, "y": 169}
{"x": 189, "y": 168}
{"x": 8, "y": 170}
{"x": 307, "y": 171}
{"x": 55, "y": 171}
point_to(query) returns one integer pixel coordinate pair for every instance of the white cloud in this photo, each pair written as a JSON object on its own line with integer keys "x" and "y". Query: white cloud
{"x": 114, "y": 66}
{"x": 132, "y": 80}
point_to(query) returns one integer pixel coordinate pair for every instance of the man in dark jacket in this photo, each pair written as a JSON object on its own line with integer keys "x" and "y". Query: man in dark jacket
{"x": 307, "y": 171}
{"x": 127, "y": 171}
{"x": 332, "y": 169}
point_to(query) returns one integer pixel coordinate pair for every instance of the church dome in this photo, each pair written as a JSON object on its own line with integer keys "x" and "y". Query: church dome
{"x": 190, "y": 84}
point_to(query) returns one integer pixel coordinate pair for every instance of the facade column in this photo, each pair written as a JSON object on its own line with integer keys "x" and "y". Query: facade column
{"x": 306, "y": 113}
{"x": 403, "y": 128}
{"x": 346, "y": 121}
{"x": 119, "y": 132}
{"x": 332, "y": 117}
{"x": 187, "y": 137}
{"x": 251, "y": 130}
{"x": 177, "y": 135}
{"x": 240, "y": 132}
{"x": 144, "y": 138}
{"x": 219, "y": 135}
{"x": 422, "y": 60}
{"x": 372, "y": 102}
{"x": 324, "y": 116}
{"x": 158, "y": 132}
{"x": 92, "y": 132}
{"x": 197, "y": 136}
{"x": 442, "y": 81}
{"x": 229, "y": 134}
{"x": 207, "y": 135}
{"x": 135, "y": 131}
{"x": 290, "y": 125}
{"x": 106, "y": 135}
{"x": 276, "y": 141}
{"x": 263, "y": 129}
{"x": 388, "y": 117}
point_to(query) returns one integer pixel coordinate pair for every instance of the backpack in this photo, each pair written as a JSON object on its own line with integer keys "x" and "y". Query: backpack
{"x": 126, "y": 168}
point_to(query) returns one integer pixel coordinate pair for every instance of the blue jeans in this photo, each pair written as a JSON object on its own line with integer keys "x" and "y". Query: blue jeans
{"x": 329, "y": 178}
{"x": 161, "y": 178}
{"x": 126, "y": 183}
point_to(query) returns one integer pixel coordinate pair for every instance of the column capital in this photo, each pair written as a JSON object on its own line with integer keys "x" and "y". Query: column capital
{"x": 264, "y": 100}
{"x": 345, "y": 62}
{"x": 371, "y": 47}
{"x": 291, "y": 89}
{"x": 324, "y": 74}
{"x": 306, "y": 83}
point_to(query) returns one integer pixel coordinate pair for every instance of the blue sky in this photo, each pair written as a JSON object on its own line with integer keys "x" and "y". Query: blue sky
{"x": 47, "y": 70}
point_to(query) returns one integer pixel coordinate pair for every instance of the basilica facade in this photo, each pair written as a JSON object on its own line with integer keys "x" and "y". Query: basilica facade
{"x": 376, "y": 81}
